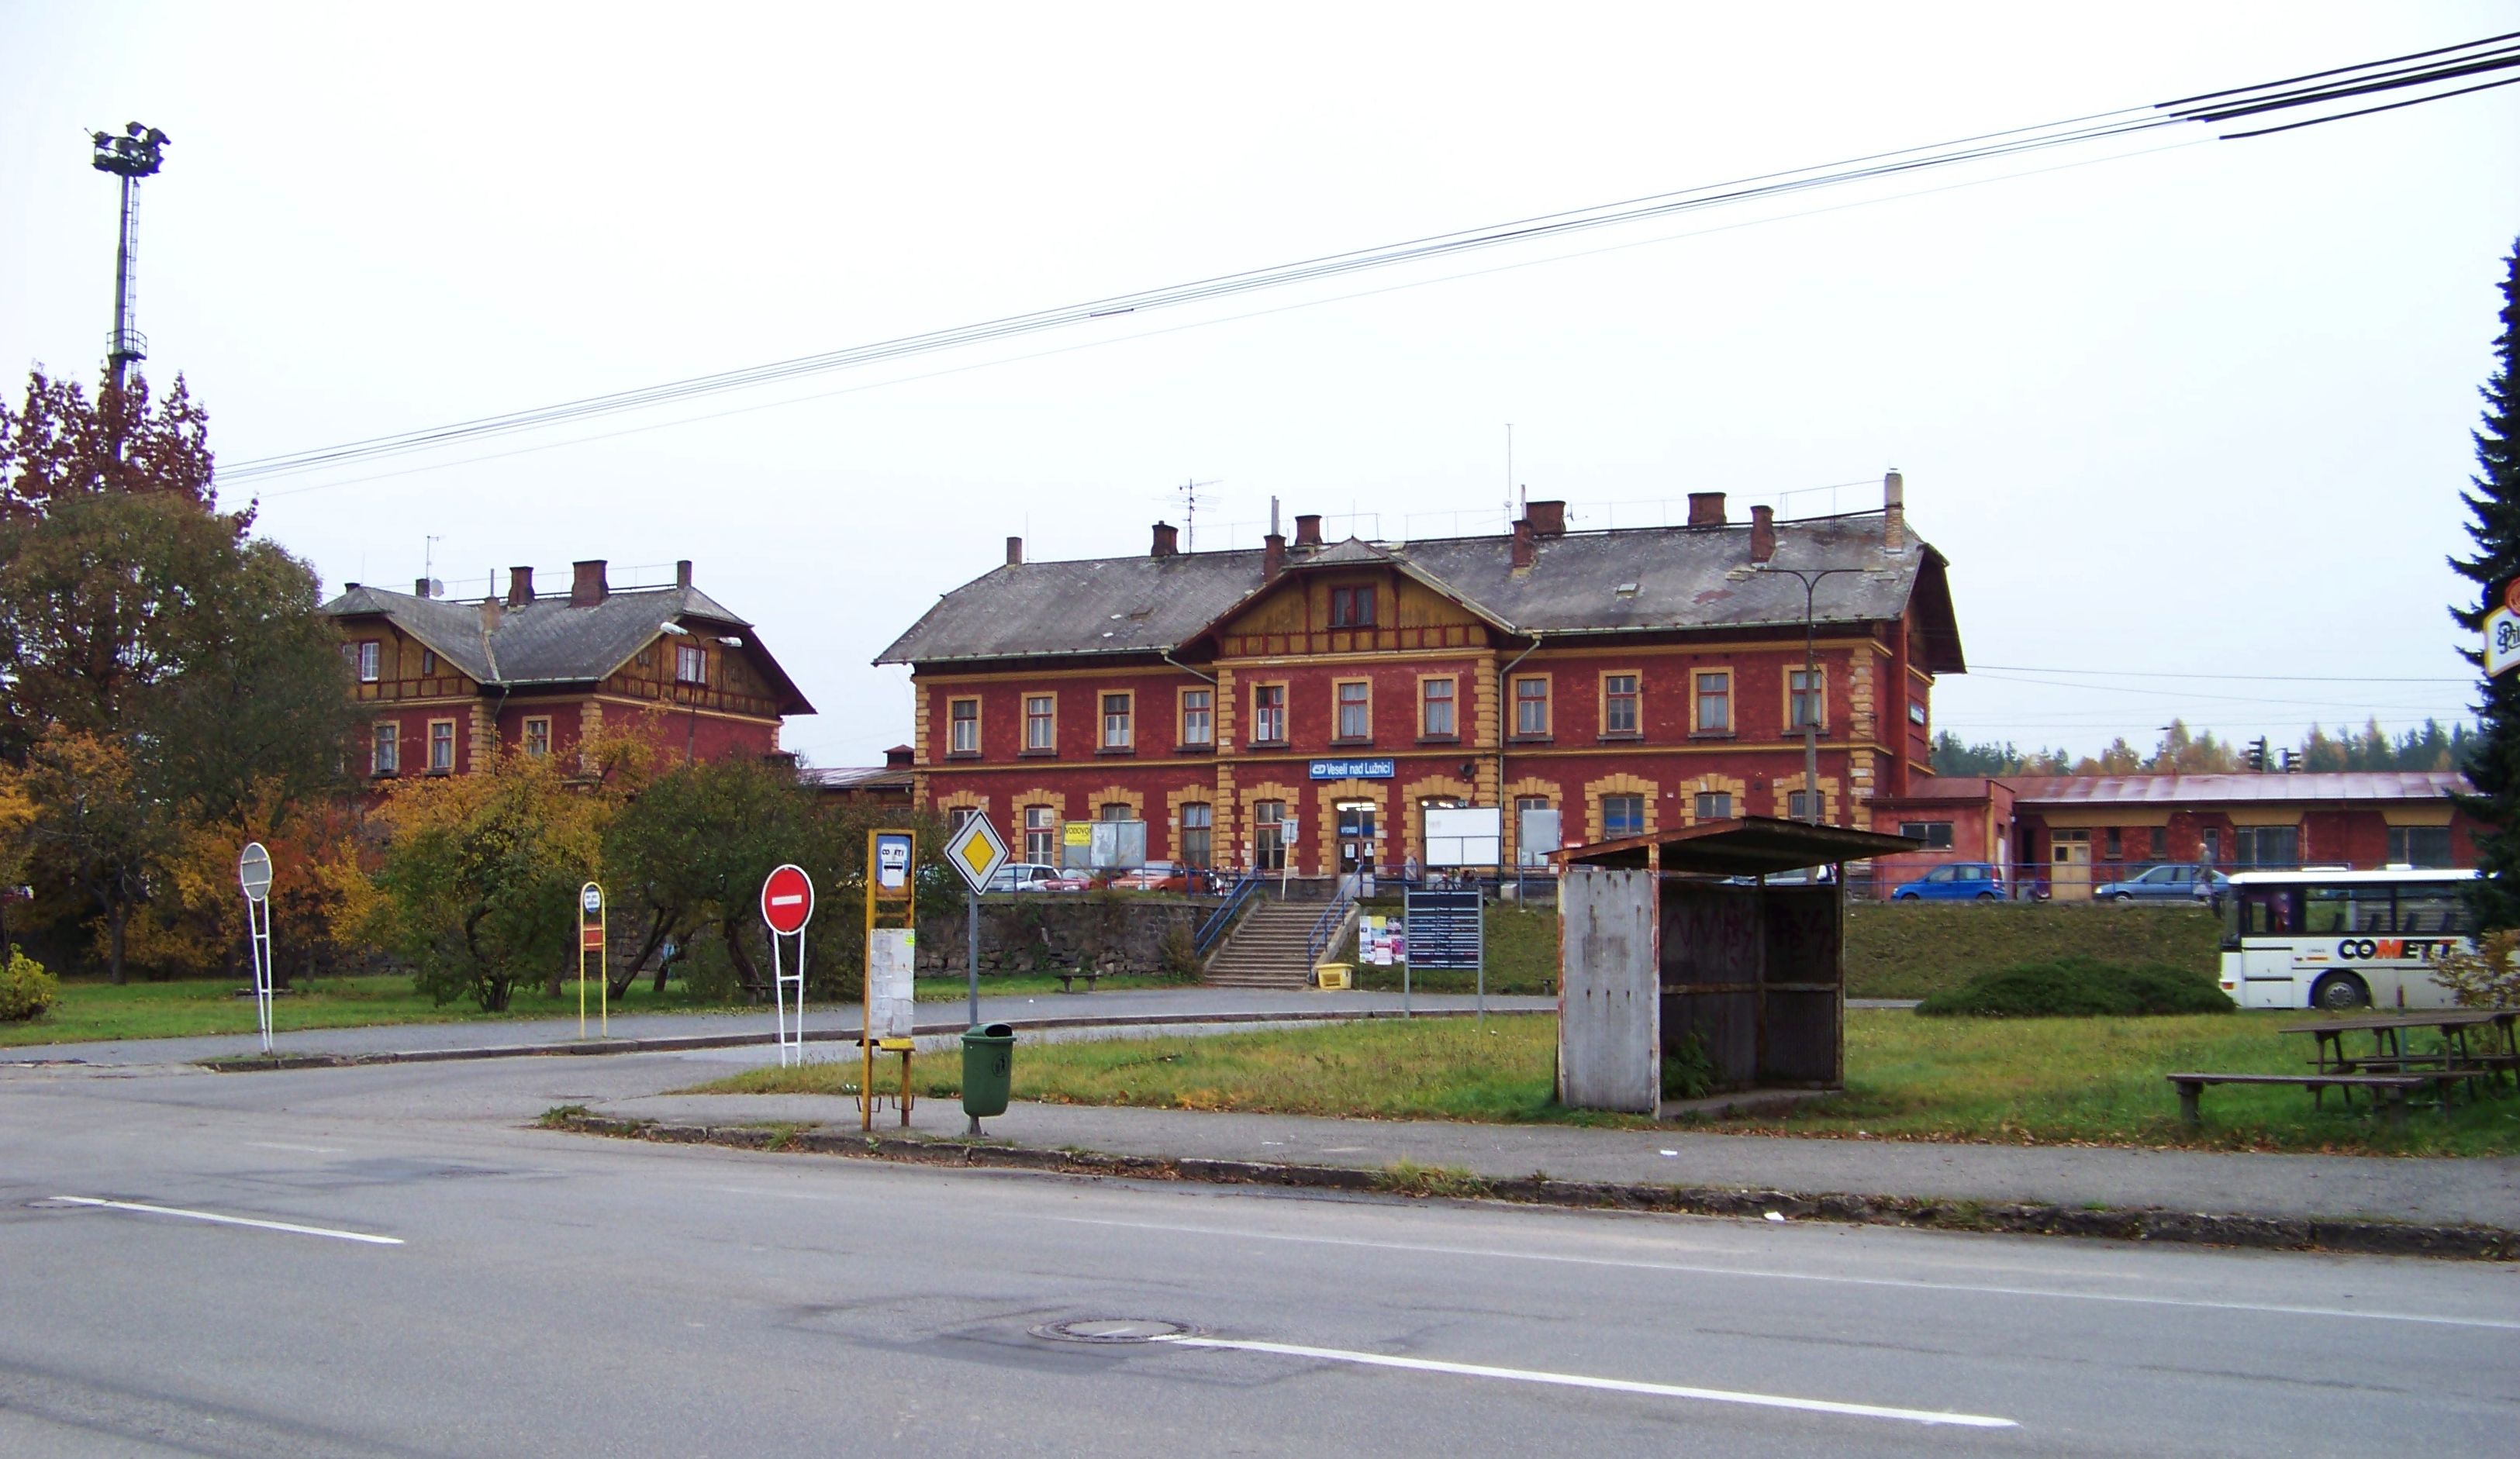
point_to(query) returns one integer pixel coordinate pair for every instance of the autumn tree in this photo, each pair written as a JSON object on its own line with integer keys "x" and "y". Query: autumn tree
{"x": 93, "y": 823}
{"x": 2492, "y": 502}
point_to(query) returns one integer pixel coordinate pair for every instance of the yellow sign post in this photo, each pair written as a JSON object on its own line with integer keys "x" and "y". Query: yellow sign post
{"x": 891, "y": 961}
{"x": 591, "y": 942}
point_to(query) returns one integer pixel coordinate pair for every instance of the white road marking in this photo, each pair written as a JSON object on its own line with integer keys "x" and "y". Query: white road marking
{"x": 1605, "y": 1384}
{"x": 230, "y": 1221}
{"x": 293, "y": 1149}
{"x": 1771, "y": 1274}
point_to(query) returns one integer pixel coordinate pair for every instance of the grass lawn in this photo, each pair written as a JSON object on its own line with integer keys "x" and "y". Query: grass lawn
{"x": 2027, "y": 1082}
{"x": 1905, "y": 949}
{"x": 96, "y": 1010}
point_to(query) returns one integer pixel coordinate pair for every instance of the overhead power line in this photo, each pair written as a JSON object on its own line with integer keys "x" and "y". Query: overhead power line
{"x": 2427, "y": 71}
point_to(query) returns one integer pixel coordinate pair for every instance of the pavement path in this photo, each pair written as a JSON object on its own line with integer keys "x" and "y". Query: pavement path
{"x": 1117, "y": 1007}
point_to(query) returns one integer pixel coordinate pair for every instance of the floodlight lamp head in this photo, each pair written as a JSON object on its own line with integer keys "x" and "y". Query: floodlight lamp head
{"x": 676, "y": 629}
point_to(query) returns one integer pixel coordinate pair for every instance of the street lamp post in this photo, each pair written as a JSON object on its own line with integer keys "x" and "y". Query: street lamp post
{"x": 1809, "y": 577}
{"x": 136, "y": 154}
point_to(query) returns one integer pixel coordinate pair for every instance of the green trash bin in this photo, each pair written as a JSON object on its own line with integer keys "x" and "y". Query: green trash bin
{"x": 988, "y": 1068}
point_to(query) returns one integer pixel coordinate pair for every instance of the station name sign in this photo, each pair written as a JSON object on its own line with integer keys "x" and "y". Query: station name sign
{"x": 1353, "y": 770}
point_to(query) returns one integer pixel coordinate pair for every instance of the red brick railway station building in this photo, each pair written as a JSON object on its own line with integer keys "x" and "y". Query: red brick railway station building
{"x": 1632, "y": 679}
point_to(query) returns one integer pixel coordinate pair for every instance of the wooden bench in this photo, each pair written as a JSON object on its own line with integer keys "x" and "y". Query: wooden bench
{"x": 1068, "y": 981}
{"x": 2391, "y": 1088}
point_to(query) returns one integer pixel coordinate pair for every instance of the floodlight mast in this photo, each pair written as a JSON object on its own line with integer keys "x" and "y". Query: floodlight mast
{"x": 138, "y": 153}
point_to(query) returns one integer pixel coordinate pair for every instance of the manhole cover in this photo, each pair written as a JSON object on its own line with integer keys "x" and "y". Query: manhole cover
{"x": 1114, "y": 1330}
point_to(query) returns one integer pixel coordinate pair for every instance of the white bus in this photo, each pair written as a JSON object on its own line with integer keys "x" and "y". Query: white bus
{"x": 2341, "y": 940}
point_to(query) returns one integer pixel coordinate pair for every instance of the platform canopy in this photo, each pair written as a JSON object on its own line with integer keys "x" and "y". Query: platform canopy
{"x": 1750, "y": 846}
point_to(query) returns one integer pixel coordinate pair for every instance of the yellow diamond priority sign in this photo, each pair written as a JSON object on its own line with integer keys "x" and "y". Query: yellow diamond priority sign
{"x": 976, "y": 850}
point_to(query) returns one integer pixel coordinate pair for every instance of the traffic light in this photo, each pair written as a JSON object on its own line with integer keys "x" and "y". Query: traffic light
{"x": 2258, "y": 754}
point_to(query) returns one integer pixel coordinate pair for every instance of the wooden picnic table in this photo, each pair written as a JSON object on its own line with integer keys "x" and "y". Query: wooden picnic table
{"x": 2455, "y": 1062}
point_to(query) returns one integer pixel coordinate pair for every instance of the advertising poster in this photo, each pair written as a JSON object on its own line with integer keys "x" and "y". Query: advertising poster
{"x": 892, "y": 954}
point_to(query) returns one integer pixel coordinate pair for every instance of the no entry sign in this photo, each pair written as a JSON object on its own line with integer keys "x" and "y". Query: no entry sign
{"x": 787, "y": 900}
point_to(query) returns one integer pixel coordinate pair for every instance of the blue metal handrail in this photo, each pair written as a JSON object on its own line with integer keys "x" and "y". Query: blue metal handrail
{"x": 1331, "y": 919}
{"x": 1221, "y": 918}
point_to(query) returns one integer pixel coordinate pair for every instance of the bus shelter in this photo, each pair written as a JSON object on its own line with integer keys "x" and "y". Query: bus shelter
{"x": 1723, "y": 942}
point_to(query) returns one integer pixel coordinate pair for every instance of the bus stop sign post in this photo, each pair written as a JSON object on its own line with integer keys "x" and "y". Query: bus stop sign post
{"x": 891, "y": 960}
{"x": 591, "y": 939}
{"x": 786, "y": 905}
{"x": 253, "y": 875}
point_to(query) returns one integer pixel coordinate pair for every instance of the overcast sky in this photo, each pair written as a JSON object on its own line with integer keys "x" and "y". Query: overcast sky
{"x": 2198, "y": 411}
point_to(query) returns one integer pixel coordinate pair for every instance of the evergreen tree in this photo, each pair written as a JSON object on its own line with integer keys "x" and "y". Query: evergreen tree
{"x": 2494, "y": 501}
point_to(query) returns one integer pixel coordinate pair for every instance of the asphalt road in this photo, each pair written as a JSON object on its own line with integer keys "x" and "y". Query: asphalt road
{"x": 550, "y": 1293}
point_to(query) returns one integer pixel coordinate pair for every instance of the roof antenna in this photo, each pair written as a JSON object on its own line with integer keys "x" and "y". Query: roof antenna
{"x": 1189, "y": 509}
{"x": 1508, "y": 475}
{"x": 428, "y": 565}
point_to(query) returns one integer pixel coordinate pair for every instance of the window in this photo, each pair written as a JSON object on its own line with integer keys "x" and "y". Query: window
{"x": 1197, "y": 833}
{"x": 1936, "y": 834}
{"x": 1622, "y": 815}
{"x": 1804, "y": 702}
{"x": 428, "y": 661}
{"x": 2339, "y": 909}
{"x": 964, "y": 738}
{"x": 386, "y": 758}
{"x": 1351, "y": 607}
{"x": 1715, "y": 703}
{"x": 1799, "y": 806}
{"x": 1715, "y": 805}
{"x": 1119, "y": 714}
{"x": 1355, "y": 709}
{"x": 2266, "y": 845}
{"x": 1435, "y": 718}
{"x": 2159, "y": 851}
{"x": 2419, "y": 845}
{"x": 441, "y": 748}
{"x": 538, "y": 736}
{"x": 955, "y": 818}
{"x": 1531, "y": 846}
{"x": 691, "y": 664}
{"x": 1041, "y": 723}
{"x": 1269, "y": 834}
{"x": 1268, "y": 714}
{"x": 368, "y": 656}
{"x": 1197, "y": 718}
{"x": 1619, "y": 696}
{"x": 1531, "y": 705}
{"x": 1040, "y": 834}
{"x": 1116, "y": 810}
{"x": 2113, "y": 845}
{"x": 2432, "y": 911}
{"x": 1915, "y": 711}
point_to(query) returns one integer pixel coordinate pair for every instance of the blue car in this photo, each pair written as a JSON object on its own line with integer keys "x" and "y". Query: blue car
{"x": 1958, "y": 881}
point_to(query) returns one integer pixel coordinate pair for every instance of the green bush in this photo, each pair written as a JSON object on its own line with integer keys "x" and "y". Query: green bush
{"x": 2078, "y": 988}
{"x": 25, "y": 988}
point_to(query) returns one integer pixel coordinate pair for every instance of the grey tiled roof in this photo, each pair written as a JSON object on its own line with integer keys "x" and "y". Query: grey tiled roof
{"x": 551, "y": 640}
{"x": 1627, "y": 580}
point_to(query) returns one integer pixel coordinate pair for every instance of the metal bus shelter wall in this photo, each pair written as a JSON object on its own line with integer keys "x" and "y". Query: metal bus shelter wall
{"x": 1698, "y": 948}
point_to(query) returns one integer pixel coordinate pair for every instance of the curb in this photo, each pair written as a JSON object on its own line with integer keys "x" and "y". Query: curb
{"x": 2358, "y": 1236}
{"x": 679, "y": 1042}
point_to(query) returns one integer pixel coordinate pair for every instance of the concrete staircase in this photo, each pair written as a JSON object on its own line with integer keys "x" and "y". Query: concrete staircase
{"x": 1266, "y": 949}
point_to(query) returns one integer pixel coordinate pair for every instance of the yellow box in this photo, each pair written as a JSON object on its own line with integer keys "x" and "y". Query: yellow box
{"x": 1332, "y": 977}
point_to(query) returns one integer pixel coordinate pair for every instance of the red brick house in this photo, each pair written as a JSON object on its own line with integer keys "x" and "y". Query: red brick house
{"x": 448, "y": 681}
{"x": 1631, "y": 679}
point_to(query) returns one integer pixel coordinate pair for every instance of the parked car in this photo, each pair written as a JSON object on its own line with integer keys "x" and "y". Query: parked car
{"x": 1023, "y": 876}
{"x": 2167, "y": 885}
{"x": 1068, "y": 881}
{"x": 1154, "y": 876}
{"x": 1956, "y": 881}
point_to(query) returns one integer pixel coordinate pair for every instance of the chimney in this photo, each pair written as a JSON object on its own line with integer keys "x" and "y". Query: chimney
{"x": 520, "y": 587}
{"x": 588, "y": 587}
{"x": 1706, "y": 508}
{"x": 1546, "y": 518}
{"x": 1167, "y": 541}
{"x": 1521, "y": 545}
{"x": 349, "y": 586}
{"x": 1894, "y": 511}
{"x": 420, "y": 587}
{"x": 1308, "y": 529}
{"x": 899, "y": 757}
{"x": 683, "y": 573}
{"x": 1763, "y": 533}
{"x": 1273, "y": 556}
{"x": 490, "y": 613}
{"x": 1015, "y": 551}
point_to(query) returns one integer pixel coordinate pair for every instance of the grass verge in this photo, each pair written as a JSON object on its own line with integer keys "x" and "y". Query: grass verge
{"x": 2090, "y": 1081}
